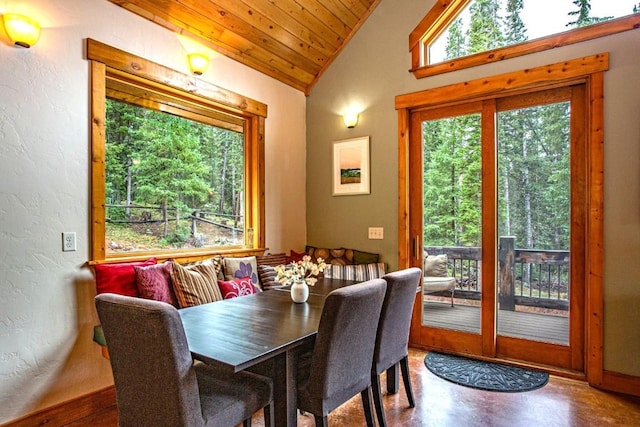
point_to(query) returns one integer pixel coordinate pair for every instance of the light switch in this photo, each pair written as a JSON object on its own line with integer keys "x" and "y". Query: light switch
{"x": 376, "y": 233}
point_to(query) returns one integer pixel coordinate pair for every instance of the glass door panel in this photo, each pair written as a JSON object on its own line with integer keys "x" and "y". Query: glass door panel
{"x": 534, "y": 221}
{"x": 452, "y": 223}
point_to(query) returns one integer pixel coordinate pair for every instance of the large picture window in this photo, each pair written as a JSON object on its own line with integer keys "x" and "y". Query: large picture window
{"x": 176, "y": 168}
{"x": 171, "y": 182}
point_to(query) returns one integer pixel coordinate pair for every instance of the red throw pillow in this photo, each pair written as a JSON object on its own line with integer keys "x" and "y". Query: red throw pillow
{"x": 294, "y": 256}
{"x": 237, "y": 287}
{"x": 154, "y": 282}
{"x": 119, "y": 278}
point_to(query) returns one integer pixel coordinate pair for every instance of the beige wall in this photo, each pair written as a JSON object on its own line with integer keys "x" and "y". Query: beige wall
{"x": 373, "y": 69}
{"x": 46, "y": 296}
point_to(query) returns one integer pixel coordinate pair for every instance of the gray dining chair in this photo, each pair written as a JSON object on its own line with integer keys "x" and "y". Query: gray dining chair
{"x": 156, "y": 380}
{"x": 340, "y": 365}
{"x": 392, "y": 339}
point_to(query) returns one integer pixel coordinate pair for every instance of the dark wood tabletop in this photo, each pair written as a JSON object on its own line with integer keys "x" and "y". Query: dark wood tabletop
{"x": 259, "y": 332}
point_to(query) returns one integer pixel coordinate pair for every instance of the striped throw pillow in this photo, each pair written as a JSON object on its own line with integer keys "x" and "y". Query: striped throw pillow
{"x": 268, "y": 277}
{"x": 195, "y": 284}
{"x": 358, "y": 272}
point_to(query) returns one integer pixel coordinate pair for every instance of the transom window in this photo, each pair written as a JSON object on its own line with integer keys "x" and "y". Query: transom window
{"x": 459, "y": 34}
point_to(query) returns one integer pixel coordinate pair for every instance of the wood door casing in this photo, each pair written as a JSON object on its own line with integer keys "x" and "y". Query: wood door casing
{"x": 588, "y": 76}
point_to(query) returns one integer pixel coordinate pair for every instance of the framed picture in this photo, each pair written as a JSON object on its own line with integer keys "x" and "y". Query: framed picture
{"x": 351, "y": 166}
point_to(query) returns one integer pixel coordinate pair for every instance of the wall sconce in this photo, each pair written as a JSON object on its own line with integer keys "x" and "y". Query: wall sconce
{"x": 198, "y": 62}
{"x": 22, "y": 30}
{"x": 350, "y": 120}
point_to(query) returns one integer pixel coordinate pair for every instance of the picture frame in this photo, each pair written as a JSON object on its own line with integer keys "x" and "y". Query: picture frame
{"x": 351, "y": 174}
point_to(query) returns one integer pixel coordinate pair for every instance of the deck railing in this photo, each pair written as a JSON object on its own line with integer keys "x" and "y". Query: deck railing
{"x": 527, "y": 277}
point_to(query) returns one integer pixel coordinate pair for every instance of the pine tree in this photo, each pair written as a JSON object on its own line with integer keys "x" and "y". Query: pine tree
{"x": 515, "y": 31}
{"x": 455, "y": 41}
{"x": 582, "y": 14}
{"x": 485, "y": 32}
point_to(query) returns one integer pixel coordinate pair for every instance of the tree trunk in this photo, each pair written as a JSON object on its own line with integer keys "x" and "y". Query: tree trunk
{"x": 128, "y": 208}
{"x": 223, "y": 178}
{"x": 165, "y": 219}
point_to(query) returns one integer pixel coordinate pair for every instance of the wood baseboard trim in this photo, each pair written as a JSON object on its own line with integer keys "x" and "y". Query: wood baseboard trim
{"x": 70, "y": 411}
{"x": 620, "y": 383}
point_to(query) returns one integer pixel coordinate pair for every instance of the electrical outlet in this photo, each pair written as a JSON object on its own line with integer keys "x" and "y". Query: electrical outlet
{"x": 69, "y": 242}
{"x": 376, "y": 233}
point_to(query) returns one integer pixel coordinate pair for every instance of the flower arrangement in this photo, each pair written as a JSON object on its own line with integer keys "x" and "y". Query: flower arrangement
{"x": 304, "y": 270}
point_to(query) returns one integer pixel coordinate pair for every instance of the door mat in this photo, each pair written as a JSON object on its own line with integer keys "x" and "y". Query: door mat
{"x": 484, "y": 375}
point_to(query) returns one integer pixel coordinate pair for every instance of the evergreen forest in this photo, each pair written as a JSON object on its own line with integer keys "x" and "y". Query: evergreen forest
{"x": 171, "y": 181}
{"x": 533, "y": 173}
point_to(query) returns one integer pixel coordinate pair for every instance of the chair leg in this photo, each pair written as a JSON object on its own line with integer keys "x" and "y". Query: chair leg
{"x": 321, "y": 421}
{"x": 452, "y": 291}
{"x": 269, "y": 420}
{"x": 247, "y": 422}
{"x": 404, "y": 366}
{"x": 377, "y": 399}
{"x": 368, "y": 407}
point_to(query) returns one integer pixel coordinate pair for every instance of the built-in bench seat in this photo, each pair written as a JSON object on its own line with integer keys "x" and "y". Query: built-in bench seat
{"x": 220, "y": 277}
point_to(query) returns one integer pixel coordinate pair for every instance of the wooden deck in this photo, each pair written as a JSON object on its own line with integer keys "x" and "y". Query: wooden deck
{"x": 533, "y": 326}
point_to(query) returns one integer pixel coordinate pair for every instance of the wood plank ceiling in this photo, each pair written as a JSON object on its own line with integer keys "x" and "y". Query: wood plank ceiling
{"x": 293, "y": 41}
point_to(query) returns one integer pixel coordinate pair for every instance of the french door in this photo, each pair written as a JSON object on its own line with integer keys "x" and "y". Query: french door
{"x": 498, "y": 196}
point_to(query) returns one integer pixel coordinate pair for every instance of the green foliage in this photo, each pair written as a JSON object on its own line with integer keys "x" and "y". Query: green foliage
{"x": 452, "y": 181}
{"x": 168, "y": 162}
{"x": 514, "y": 29}
{"x": 485, "y": 32}
{"x": 498, "y": 23}
{"x": 533, "y": 188}
{"x": 177, "y": 237}
{"x": 116, "y": 213}
{"x": 581, "y": 15}
{"x": 533, "y": 154}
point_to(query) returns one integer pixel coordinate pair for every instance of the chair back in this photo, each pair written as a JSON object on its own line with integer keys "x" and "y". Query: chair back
{"x": 392, "y": 339}
{"x": 152, "y": 367}
{"x": 341, "y": 362}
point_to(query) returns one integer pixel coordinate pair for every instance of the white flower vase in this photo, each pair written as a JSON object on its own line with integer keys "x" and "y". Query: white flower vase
{"x": 299, "y": 291}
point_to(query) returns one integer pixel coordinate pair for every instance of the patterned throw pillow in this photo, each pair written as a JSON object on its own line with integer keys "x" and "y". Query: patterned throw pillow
{"x": 268, "y": 277}
{"x": 154, "y": 282}
{"x": 195, "y": 284}
{"x": 119, "y": 278}
{"x": 237, "y": 288}
{"x": 359, "y": 272}
{"x": 217, "y": 264}
{"x": 237, "y": 268}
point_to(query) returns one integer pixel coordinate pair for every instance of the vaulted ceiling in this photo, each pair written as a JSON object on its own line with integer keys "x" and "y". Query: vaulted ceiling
{"x": 293, "y": 41}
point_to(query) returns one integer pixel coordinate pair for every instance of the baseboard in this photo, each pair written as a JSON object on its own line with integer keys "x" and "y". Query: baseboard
{"x": 620, "y": 383}
{"x": 70, "y": 411}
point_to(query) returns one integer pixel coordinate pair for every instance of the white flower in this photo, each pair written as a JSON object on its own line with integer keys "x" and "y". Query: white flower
{"x": 305, "y": 270}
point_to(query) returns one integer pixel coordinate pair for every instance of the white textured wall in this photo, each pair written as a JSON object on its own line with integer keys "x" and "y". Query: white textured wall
{"x": 46, "y": 296}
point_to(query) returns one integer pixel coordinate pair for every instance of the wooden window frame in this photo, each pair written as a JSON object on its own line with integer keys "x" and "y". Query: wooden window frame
{"x": 206, "y": 101}
{"x": 588, "y": 70}
{"x": 445, "y": 11}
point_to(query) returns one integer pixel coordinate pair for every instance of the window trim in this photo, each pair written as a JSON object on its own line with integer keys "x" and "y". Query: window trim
{"x": 107, "y": 62}
{"x": 445, "y": 11}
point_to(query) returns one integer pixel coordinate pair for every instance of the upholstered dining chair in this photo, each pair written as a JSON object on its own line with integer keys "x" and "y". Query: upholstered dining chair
{"x": 392, "y": 340}
{"x": 156, "y": 380}
{"x": 340, "y": 365}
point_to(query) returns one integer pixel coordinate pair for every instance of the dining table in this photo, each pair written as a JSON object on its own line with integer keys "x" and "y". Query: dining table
{"x": 261, "y": 333}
